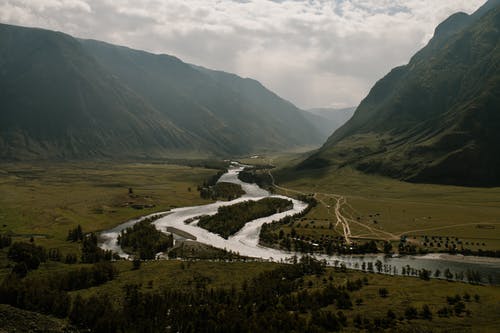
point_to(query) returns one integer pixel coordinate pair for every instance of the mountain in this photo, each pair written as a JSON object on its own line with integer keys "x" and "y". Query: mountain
{"x": 56, "y": 100}
{"x": 327, "y": 120}
{"x": 436, "y": 119}
{"x": 63, "y": 97}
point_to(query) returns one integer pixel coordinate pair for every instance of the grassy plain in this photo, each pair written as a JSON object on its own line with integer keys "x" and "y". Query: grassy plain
{"x": 385, "y": 208}
{"x": 46, "y": 200}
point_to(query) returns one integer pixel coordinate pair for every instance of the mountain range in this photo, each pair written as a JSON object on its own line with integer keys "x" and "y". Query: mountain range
{"x": 434, "y": 120}
{"x": 63, "y": 97}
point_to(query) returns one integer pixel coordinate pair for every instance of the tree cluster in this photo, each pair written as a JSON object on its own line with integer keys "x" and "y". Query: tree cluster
{"x": 92, "y": 253}
{"x": 49, "y": 294}
{"x": 27, "y": 256}
{"x": 221, "y": 190}
{"x": 144, "y": 240}
{"x": 5, "y": 241}
{"x": 75, "y": 235}
{"x": 274, "y": 301}
{"x": 252, "y": 175}
{"x": 230, "y": 219}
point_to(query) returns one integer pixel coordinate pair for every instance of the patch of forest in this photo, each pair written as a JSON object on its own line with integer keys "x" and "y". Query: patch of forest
{"x": 230, "y": 219}
{"x": 194, "y": 250}
{"x": 221, "y": 190}
{"x": 144, "y": 241}
{"x": 259, "y": 176}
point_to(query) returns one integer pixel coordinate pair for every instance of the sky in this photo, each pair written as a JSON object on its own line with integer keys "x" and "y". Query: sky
{"x": 314, "y": 53}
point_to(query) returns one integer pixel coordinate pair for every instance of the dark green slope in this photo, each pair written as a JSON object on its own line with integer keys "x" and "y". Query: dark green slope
{"x": 61, "y": 97}
{"x": 233, "y": 114}
{"x": 283, "y": 118}
{"x": 436, "y": 119}
{"x": 57, "y": 102}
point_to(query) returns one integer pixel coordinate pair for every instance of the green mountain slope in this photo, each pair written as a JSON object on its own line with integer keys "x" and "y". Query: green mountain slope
{"x": 61, "y": 97}
{"x": 436, "y": 119}
{"x": 232, "y": 114}
{"x": 56, "y": 101}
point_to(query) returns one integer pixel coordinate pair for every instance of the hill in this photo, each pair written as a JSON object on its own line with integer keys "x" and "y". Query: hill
{"x": 63, "y": 97}
{"x": 435, "y": 119}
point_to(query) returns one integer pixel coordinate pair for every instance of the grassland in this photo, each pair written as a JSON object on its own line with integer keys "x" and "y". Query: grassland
{"x": 386, "y": 209}
{"x": 46, "y": 200}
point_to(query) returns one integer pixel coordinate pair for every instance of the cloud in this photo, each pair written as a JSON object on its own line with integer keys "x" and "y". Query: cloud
{"x": 312, "y": 52}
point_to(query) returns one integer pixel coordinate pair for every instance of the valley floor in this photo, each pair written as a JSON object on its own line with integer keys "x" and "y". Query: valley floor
{"x": 45, "y": 201}
{"x": 364, "y": 207}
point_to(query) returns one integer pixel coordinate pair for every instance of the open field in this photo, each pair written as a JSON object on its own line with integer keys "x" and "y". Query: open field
{"x": 383, "y": 208}
{"x": 405, "y": 292}
{"x": 46, "y": 200}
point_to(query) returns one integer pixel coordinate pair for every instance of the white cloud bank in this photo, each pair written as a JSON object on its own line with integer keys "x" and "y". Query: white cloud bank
{"x": 314, "y": 53}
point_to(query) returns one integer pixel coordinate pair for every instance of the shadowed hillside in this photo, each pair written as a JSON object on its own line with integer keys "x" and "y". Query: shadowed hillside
{"x": 62, "y": 97}
{"x": 436, "y": 119}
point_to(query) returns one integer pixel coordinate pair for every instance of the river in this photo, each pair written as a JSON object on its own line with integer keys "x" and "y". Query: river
{"x": 246, "y": 241}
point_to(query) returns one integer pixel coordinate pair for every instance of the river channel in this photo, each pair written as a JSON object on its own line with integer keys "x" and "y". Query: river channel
{"x": 246, "y": 241}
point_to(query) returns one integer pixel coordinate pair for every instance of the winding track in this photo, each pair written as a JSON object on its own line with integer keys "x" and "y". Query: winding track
{"x": 341, "y": 219}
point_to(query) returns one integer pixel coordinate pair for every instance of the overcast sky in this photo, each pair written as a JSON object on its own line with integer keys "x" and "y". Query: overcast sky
{"x": 313, "y": 53}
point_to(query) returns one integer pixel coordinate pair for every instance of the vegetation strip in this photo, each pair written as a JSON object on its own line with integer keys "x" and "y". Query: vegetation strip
{"x": 230, "y": 219}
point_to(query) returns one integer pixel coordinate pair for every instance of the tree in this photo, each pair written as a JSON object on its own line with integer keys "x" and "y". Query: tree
{"x": 391, "y": 316}
{"x": 447, "y": 274}
{"x": 75, "y": 235}
{"x": 387, "y": 248}
{"x": 383, "y": 292}
{"x": 20, "y": 270}
{"x": 136, "y": 264}
{"x": 426, "y": 312}
{"x": 5, "y": 241}
{"x": 424, "y": 274}
{"x": 459, "y": 308}
{"x": 411, "y": 313}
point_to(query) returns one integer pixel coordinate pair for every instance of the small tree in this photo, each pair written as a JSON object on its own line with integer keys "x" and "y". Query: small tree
{"x": 426, "y": 312}
{"x": 411, "y": 313}
{"x": 383, "y": 292}
{"x": 448, "y": 275}
{"x": 136, "y": 264}
{"x": 391, "y": 316}
{"x": 387, "y": 248}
